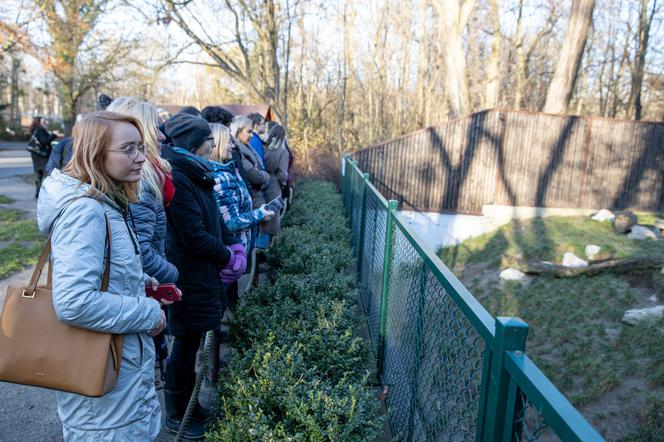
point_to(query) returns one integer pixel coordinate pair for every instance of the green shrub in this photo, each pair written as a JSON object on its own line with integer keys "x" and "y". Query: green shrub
{"x": 298, "y": 370}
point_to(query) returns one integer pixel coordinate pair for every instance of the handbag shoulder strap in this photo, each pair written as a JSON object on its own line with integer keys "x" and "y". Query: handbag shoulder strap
{"x": 43, "y": 258}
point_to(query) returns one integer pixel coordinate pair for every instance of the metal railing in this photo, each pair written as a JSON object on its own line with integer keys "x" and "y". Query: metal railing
{"x": 452, "y": 371}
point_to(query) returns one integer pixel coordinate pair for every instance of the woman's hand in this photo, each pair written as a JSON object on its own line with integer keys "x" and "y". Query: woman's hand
{"x": 151, "y": 282}
{"x": 154, "y": 284}
{"x": 267, "y": 214}
{"x": 161, "y": 325}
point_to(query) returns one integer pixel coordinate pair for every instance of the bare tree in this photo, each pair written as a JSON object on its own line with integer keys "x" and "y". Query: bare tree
{"x": 493, "y": 70}
{"x": 79, "y": 60}
{"x": 645, "y": 22}
{"x": 562, "y": 85}
{"x": 453, "y": 17}
{"x": 251, "y": 59}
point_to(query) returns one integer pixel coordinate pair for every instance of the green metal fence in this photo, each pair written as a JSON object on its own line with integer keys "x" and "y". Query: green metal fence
{"x": 453, "y": 372}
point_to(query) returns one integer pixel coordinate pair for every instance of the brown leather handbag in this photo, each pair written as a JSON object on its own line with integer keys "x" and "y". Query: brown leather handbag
{"x": 38, "y": 349}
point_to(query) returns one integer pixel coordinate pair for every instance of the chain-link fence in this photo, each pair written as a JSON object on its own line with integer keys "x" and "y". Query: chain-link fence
{"x": 372, "y": 260}
{"x": 451, "y": 371}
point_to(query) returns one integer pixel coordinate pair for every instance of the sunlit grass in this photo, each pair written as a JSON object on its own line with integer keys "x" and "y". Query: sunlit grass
{"x": 23, "y": 242}
{"x": 575, "y": 331}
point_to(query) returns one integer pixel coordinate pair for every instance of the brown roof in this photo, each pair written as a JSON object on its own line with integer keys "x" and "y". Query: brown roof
{"x": 236, "y": 109}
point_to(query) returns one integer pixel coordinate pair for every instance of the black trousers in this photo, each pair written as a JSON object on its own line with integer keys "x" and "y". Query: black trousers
{"x": 232, "y": 295}
{"x": 181, "y": 367}
{"x": 39, "y": 166}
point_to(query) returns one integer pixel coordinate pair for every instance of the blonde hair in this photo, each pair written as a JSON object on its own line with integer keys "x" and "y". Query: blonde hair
{"x": 91, "y": 137}
{"x": 148, "y": 118}
{"x": 222, "y": 139}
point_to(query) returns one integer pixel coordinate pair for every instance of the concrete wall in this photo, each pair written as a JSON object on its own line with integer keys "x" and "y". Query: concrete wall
{"x": 444, "y": 229}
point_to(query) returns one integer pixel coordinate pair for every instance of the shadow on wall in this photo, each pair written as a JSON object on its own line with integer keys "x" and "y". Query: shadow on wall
{"x": 525, "y": 159}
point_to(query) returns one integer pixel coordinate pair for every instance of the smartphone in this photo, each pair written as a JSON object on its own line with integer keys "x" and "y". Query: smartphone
{"x": 169, "y": 292}
{"x": 275, "y": 205}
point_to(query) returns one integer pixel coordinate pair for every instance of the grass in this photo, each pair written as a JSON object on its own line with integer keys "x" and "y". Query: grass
{"x": 576, "y": 335}
{"x": 651, "y": 421}
{"x": 5, "y": 199}
{"x": 547, "y": 240}
{"x": 23, "y": 242}
{"x": 13, "y": 227}
{"x": 648, "y": 218}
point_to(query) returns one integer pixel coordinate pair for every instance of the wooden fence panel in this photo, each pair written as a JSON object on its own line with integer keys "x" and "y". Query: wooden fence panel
{"x": 626, "y": 163}
{"x": 543, "y": 157}
{"x": 523, "y": 159}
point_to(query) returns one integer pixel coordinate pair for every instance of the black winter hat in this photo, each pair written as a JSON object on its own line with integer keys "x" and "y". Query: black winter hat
{"x": 103, "y": 102}
{"x": 191, "y": 110}
{"x": 187, "y": 131}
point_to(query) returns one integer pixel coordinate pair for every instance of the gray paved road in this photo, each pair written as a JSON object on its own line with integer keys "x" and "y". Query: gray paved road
{"x": 14, "y": 162}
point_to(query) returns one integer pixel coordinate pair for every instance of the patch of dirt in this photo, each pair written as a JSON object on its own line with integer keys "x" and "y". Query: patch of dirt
{"x": 644, "y": 285}
{"x": 616, "y": 414}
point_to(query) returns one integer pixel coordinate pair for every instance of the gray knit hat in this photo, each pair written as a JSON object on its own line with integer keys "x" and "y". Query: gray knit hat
{"x": 187, "y": 131}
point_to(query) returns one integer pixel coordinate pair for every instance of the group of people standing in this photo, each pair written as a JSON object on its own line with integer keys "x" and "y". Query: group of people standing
{"x": 185, "y": 203}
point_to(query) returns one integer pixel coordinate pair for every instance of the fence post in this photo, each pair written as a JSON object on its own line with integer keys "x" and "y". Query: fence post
{"x": 385, "y": 290}
{"x": 500, "y": 406}
{"x": 363, "y": 214}
{"x": 344, "y": 184}
{"x": 351, "y": 185}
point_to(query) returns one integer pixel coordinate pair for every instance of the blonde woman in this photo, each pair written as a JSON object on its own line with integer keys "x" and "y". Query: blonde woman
{"x": 147, "y": 217}
{"x": 233, "y": 199}
{"x": 98, "y": 185}
{"x": 231, "y": 192}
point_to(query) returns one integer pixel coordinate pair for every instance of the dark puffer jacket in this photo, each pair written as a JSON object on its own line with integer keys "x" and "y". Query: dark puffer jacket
{"x": 149, "y": 223}
{"x": 195, "y": 245}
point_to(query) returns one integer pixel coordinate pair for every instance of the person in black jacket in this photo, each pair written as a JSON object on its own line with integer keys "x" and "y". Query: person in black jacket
{"x": 196, "y": 243}
{"x": 40, "y": 140}
{"x": 217, "y": 114}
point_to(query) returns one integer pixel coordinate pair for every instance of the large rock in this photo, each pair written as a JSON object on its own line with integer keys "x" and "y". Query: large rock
{"x": 603, "y": 215}
{"x": 592, "y": 250}
{"x": 624, "y": 221}
{"x": 642, "y": 232}
{"x": 637, "y": 315}
{"x": 573, "y": 261}
{"x": 512, "y": 275}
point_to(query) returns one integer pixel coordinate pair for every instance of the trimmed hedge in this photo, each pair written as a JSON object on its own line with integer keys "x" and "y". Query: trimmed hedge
{"x": 298, "y": 370}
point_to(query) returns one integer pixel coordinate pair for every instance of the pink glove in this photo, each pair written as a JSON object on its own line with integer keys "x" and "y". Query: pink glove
{"x": 236, "y": 265}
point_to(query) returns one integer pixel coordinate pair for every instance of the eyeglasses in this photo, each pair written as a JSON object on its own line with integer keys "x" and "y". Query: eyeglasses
{"x": 131, "y": 150}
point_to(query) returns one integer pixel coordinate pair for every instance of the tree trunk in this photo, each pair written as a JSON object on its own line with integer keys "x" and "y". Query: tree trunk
{"x": 15, "y": 114}
{"x": 70, "y": 110}
{"x": 452, "y": 19}
{"x": 422, "y": 67}
{"x": 562, "y": 85}
{"x": 520, "y": 60}
{"x": 341, "y": 113}
{"x": 610, "y": 265}
{"x": 493, "y": 69}
{"x": 287, "y": 63}
{"x": 634, "y": 104}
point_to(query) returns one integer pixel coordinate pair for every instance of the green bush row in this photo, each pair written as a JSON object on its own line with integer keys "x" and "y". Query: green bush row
{"x": 298, "y": 370}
